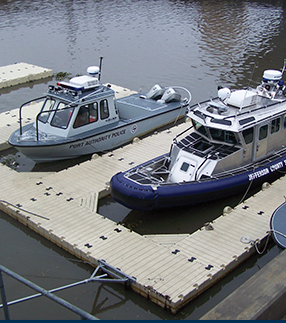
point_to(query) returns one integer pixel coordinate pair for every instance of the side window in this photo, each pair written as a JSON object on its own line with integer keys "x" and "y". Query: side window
{"x": 87, "y": 114}
{"x": 275, "y": 125}
{"x": 263, "y": 132}
{"x": 93, "y": 112}
{"x": 285, "y": 121}
{"x": 185, "y": 167}
{"x": 248, "y": 135}
{"x": 46, "y": 108}
{"x": 104, "y": 111}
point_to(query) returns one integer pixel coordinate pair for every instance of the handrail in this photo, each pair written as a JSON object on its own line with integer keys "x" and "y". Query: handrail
{"x": 115, "y": 274}
{"x": 42, "y": 291}
{"x": 20, "y": 110}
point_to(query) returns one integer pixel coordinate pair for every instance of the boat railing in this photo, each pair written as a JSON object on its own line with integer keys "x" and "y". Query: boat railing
{"x": 21, "y": 108}
{"x": 181, "y": 133}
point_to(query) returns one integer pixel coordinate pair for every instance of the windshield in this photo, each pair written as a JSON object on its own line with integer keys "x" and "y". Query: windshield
{"x": 62, "y": 115}
{"x": 46, "y": 110}
{"x": 200, "y": 128}
{"x": 216, "y": 134}
{"x": 223, "y": 135}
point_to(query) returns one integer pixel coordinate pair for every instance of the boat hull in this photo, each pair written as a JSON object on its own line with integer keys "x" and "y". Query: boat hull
{"x": 100, "y": 141}
{"x": 144, "y": 197}
{"x": 278, "y": 225}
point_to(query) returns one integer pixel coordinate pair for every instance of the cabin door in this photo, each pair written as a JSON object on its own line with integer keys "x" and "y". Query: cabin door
{"x": 261, "y": 141}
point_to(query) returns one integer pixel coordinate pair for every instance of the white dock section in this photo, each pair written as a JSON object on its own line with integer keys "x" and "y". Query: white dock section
{"x": 20, "y": 73}
{"x": 170, "y": 270}
{"x": 9, "y": 121}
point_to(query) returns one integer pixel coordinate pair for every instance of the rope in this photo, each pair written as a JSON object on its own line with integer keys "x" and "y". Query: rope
{"x": 246, "y": 192}
{"x": 269, "y": 234}
{"x": 21, "y": 209}
{"x": 265, "y": 246}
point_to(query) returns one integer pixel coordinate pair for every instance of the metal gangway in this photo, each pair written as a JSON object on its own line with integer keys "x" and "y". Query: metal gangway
{"x": 116, "y": 276}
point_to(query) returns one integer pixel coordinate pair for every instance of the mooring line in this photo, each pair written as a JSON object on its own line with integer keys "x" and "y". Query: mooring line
{"x": 21, "y": 209}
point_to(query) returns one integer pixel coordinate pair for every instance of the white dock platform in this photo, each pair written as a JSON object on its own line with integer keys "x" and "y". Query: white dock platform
{"x": 170, "y": 270}
{"x": 20, "y": 73}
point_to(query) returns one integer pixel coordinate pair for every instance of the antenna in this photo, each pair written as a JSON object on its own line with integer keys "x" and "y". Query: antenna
{"x": 251, "y": 75}
{"x": 100, "y": 65}
{"x": 283, "y": 69}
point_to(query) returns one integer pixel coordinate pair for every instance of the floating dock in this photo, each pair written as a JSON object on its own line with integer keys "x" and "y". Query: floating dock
{"x": 20, "y": 73}
{"x": 169, "y": 270}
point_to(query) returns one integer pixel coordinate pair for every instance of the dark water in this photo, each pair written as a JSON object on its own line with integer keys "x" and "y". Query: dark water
{"x": 195, "y": 44}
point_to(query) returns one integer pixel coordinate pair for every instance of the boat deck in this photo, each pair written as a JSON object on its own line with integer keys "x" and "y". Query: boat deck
{"x": 170, "y": 270}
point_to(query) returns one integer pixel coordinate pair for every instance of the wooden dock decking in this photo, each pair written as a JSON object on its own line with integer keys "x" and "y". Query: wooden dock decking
{"x": 170, "y": 270}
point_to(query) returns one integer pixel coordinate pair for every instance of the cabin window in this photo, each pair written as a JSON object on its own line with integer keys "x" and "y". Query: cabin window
{"x": 46, "y": 110}
{"x": 62, "y": 116}
{"x": 200, "y": 128}
{"x": 284, "y": 121}
{"x": 185, "y": 167}
{"x": 248, "y": 135}
{"x": 104, "y": 111}
{"x": 263, "y": 132}
{"x": 275, "y": 125}
{"x": 223, "y": 135}
{"x": 87, "y": 114}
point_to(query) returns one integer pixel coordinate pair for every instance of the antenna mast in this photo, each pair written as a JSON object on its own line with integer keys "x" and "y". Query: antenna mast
{"x": 100, "y": 65}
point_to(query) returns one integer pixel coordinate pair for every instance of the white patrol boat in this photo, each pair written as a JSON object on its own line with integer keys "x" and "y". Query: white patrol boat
{"x": 83, "y": 117}
{"x": 236, "y": 141}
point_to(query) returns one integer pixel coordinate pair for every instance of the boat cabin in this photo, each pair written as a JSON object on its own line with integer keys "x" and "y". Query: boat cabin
{"x": 235, "y": 130}
{"x": 77, "y": 106}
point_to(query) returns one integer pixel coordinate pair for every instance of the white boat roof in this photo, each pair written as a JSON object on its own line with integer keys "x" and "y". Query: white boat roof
{"x": 242, "y": 110}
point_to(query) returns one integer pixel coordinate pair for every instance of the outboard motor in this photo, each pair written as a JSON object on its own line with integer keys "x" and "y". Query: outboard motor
{"x": 155, "y": 93}
{"x": 171, "y": 95}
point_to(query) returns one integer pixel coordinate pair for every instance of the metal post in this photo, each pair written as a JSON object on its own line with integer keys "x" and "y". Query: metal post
{"x": 3, "y": 296}
{"x": 44, "y": 292}
{"x": 100, "y": 67}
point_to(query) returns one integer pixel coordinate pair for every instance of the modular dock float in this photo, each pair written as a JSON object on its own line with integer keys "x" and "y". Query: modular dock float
{"x": 20, "y": 73}
{"x": 169, "y": 270}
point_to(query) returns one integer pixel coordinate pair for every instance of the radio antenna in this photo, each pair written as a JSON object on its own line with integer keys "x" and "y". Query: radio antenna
{"x": 100, "y": 65}
{"x": 283, "y": 69}
{"x": 251, "y": 75}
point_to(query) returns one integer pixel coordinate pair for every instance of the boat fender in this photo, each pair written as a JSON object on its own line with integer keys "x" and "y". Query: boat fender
{"x": 265, "y": 185}
{"x": 227, "y": 210}
{"x": 135, "y": 140}
{"x": 94, "y": 156}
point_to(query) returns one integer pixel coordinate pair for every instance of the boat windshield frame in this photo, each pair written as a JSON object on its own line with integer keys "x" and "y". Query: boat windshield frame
{"x": 216, "y": 134}
{"x": 62, "y": 113}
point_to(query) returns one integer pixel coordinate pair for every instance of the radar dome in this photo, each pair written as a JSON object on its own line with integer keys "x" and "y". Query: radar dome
{"x": 224, "y": 93}
{"x": 93, "y": 70}
{"x": 272, "y": 75}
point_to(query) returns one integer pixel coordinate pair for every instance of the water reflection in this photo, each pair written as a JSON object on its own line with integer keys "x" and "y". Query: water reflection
{"x": 236, "y": 31}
